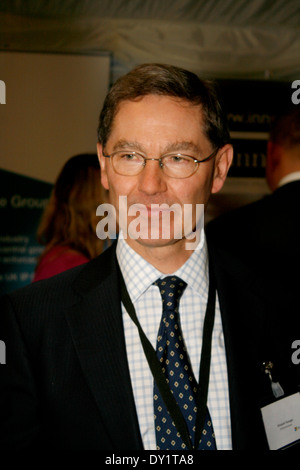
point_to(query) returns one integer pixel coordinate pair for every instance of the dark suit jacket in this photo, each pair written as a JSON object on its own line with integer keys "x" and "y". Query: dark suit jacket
{"x": 66, "y": 383}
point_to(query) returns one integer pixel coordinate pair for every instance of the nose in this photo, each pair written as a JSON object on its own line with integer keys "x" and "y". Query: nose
{"x": 152, "y": 179}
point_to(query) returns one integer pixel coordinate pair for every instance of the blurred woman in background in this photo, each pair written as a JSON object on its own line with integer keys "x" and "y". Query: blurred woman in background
{"x": 68, "y": 225}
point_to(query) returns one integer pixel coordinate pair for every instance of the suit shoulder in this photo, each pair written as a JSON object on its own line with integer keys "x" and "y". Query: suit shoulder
{"x": 54, "y": 290}
{"x": 62, "y": 289}
{"x": 238, "y": 220}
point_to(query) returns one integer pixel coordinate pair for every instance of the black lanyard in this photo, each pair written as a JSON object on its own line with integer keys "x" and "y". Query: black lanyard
{"x": 159, "y": 376}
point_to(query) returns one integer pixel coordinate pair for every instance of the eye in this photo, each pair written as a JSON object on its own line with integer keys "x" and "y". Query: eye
{"x": 128, "y": 156}
{"x": 178, "y": 159}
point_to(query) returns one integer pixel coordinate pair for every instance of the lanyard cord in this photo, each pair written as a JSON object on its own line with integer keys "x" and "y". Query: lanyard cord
{"x": 159, "y": 376}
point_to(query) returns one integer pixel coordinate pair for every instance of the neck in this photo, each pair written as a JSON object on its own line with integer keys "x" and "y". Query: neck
{"x": 289, "y": 177}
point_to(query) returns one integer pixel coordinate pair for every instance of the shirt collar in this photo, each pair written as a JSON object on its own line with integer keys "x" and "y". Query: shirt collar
{"x": 139, "y": 275}
{"x": 195, "y": 271}
{"x": 295, "y": 176}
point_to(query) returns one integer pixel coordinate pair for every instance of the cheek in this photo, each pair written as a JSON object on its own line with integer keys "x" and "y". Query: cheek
{"x": 195, "y": 192}
{"x": 118, "y": 186}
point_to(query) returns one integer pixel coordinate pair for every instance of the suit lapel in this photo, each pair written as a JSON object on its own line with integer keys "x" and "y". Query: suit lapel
{"x": 97, "y": 331}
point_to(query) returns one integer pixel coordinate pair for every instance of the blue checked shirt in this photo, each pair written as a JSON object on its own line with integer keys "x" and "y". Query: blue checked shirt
{"x": 139, "y": 276}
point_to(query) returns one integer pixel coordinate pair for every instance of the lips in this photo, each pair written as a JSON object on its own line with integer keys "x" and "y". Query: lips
{"x": 153, "y": 210}
{"x": 156, "y": 208}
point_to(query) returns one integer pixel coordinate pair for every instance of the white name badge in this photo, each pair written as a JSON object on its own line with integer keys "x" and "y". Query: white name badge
{"x": 282, "y": 422}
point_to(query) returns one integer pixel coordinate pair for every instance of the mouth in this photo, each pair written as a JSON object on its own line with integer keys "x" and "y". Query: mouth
{"x": 154, "y": 207}
{"x": 153, "y": 211}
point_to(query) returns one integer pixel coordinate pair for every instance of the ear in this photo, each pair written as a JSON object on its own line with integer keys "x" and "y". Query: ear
{"x": 103, "y": 162}
{"x": 274, "y": 164}
{"x": 274, "y": 152}
{"x": 223, "y": 161}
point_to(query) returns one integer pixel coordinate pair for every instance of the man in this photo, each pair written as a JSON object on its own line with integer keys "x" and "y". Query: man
{"x": 79, "y": 362}
{"x": 262, "y": 240}
{"x": 283, "y": 152}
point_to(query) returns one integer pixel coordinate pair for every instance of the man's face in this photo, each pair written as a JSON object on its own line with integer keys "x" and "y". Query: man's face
{"x": 156, "y": 125}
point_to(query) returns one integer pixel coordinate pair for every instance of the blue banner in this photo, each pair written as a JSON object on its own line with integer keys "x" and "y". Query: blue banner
{"x": 22, "y": 201}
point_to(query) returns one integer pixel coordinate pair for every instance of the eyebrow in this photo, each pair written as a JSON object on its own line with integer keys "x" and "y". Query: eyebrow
{"x": 183, "y": 146}
{"x": 171, "y": 147}
{"x": 125, "y": 144}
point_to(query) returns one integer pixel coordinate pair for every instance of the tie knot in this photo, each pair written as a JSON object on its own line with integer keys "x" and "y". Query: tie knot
{"x": 171, "y": 289}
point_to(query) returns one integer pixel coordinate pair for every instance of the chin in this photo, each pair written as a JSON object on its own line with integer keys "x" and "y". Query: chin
{"x": 152, "y": 243}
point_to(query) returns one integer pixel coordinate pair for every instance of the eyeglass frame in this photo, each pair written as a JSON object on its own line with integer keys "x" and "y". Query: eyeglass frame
{"x": 212, "y": 155}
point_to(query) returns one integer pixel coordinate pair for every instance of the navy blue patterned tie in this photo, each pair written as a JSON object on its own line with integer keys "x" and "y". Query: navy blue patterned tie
{"x": 172, "y": 354}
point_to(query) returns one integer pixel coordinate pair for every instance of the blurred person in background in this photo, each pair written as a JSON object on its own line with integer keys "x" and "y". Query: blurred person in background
{"x": 68, "y": 225}
{"x": 283, "y": 155}
{"x": 266, "y": 233}
{"x": 263, "y": 237}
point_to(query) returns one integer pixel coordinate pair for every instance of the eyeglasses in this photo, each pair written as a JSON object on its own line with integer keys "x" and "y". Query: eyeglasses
{"x": 174, "y": 165}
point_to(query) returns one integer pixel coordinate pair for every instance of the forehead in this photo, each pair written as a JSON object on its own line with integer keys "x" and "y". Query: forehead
{"x": 154, "y": 118}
